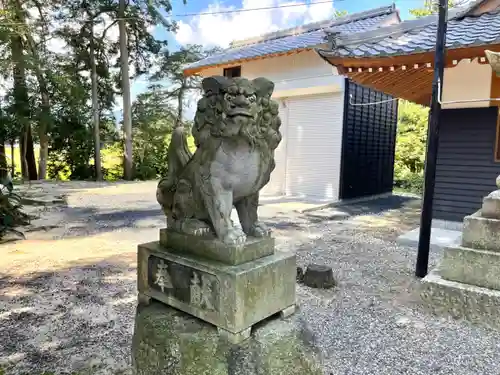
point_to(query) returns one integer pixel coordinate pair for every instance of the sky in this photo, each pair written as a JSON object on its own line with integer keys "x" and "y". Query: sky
{"x": 221, "y": 29}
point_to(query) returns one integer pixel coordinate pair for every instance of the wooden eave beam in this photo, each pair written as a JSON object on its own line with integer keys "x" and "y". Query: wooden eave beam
{"x": 397, "y": 76}
{"x": 400, "y": 83}
{"x": 409, "y": 60}
{"x": 412, "y": 83}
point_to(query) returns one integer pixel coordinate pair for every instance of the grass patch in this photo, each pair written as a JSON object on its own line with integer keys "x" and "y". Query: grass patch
{"x": 111, "y": 161}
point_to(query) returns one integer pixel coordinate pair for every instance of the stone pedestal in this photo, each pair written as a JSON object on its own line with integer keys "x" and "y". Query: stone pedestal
{"x": 466, "y": 284}
{"x": 230, "y": 287}
{"x": 168, "y": 341}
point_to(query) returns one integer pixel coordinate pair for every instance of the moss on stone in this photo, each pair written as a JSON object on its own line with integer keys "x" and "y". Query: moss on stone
{"x": 167, "y": 341}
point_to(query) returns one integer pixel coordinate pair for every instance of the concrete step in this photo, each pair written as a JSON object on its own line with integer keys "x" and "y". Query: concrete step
{"x": 481, "y": 233}
{"x": 461, "y": 301}
{"x": 475, "y": 267}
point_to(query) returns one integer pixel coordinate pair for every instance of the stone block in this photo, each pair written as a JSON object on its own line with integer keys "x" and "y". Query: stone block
{"x": 461, "y": 301}
{"x": 168, "y": 341}
{"x": 475, "y": 267}
{"x": 211, "y": 248}
{"x": 481, "y": 233}
{"x": 440, "y": 238}
{"x": 231, "y": 297}
{"x": 491, "y": 207}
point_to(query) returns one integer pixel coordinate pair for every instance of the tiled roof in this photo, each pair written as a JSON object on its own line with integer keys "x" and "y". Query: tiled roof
{"x": 306, "y": 36}
{"x": 419, "y": 36}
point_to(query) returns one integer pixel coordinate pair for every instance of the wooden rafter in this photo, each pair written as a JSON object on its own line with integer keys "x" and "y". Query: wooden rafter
{"x": 409, "y": 60}
{"x": 401, "y": 83}
{"x": 403, "y": 79}
{"x": 419, "y": 78}
{"x": 408, "y": 77}
{"x": 424, "y": 86}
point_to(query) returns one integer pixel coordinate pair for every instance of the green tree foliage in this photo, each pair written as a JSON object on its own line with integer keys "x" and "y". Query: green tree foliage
{"x": 51, "y": 91}
{"x": 14, "y": 26}
{"x": 152, "y": 123}
{"x": 430, "y": 7}
{"x": 410, "y": 146}
{"x": 71, "y": 138}
{"x": 170, "y": 67}
{"x": 154, "y": 117}
{"x": 10, "y": 132}
{"x": 98, "y": 18}
{"x": 159, "y": 110}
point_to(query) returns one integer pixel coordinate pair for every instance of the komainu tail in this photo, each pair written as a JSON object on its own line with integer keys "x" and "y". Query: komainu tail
{"x": 178, "y": 156}
{"x": 178, "y": 151}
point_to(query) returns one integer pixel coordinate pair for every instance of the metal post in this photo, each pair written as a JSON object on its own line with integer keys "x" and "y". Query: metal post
{"x": 432, "y": 146}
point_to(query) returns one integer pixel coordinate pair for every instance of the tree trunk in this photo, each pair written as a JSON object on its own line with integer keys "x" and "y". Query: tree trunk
{"x": 45, "y": 122}
{"x": 21, "y": 106}
{"x": 43, "y": 155}
{"x": 180, "y": 105}
{"x": 95, "y": 109}
{"x": 45, "y": 102}
{"x": 12, "y": 162}
{"x": 4, "y": 169}
{"x": 22, "y": 156}
{"x": 127, "y": 106}
{"x": 30, "y": 154}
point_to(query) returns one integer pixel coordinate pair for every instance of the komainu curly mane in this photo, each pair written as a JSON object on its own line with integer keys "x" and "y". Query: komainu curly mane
{"x": 236, "y": 130}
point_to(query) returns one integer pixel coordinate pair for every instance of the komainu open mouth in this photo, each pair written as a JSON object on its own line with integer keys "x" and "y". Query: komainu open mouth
{"x": 239, "y": 112}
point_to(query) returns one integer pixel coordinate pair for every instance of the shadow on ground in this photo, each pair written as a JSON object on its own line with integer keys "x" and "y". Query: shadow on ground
{"x": 53, "y": 321}
{"x": 84, "y": 221}
{"x": 377, "y": 206}
{"x": 88, "y": 221}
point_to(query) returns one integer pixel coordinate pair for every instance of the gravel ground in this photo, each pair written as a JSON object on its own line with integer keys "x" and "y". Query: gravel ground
{"x": 67, "y": 294}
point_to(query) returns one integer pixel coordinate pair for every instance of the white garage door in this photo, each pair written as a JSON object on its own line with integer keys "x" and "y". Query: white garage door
{"x": 276, "y": 186}
{"x": 313, "y": 145}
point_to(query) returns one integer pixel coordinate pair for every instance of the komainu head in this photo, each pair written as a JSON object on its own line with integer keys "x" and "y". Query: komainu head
{"x": 232, "y": 107}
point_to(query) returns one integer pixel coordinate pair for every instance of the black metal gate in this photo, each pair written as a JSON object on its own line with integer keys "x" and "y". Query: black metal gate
{"x": 368, "y": 142}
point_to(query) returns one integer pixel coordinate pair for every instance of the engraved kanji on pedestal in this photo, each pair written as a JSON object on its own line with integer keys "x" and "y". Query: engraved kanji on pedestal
{"x": 188, "y": 285}
{"x": 201, "y": 292}
{"x": 162, "y": 277}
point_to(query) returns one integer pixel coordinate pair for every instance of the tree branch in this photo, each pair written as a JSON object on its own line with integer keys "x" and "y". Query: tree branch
{"x": 106, "y": 30}
{"x": 152, "y": 9}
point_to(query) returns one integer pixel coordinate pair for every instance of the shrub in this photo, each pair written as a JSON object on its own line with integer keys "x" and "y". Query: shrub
{"x": 407, "y": 180}
{"x": 410, "y": 147}
{"x": 11, "y": 214}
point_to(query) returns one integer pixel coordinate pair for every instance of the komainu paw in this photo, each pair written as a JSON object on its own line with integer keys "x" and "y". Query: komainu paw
{"x": 235, "y": 236}
{"x": 260, "y": 230}
{"x": 193, "y": 226}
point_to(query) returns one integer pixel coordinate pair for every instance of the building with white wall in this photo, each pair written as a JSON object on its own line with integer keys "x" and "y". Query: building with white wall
{"x": 331, "y": 149}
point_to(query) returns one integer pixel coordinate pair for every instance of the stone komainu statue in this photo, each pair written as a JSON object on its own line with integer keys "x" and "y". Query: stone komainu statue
{"x": 236, "y": 131}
